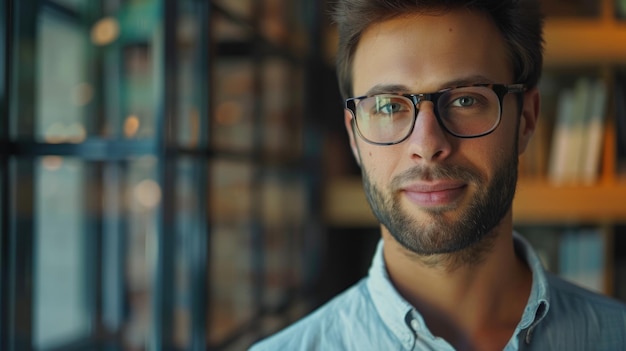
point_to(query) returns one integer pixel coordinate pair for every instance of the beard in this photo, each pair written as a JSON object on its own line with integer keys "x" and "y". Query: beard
{"x": 469, "y": 234}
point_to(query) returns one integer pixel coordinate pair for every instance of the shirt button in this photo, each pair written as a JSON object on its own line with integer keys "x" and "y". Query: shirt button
{"x": 415, "y": 324}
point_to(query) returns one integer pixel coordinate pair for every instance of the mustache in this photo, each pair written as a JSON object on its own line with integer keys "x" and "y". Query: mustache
{"x": 431, "y": 173}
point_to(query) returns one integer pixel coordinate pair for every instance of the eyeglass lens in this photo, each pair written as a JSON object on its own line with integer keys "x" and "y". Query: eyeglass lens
{"x": 465, "y": 112}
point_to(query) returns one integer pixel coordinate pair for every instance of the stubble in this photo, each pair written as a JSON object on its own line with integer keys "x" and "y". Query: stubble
{"x": 440, "y": 240}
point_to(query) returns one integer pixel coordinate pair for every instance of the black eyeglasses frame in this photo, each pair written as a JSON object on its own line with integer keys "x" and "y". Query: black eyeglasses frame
{"x": 501, "y": 91}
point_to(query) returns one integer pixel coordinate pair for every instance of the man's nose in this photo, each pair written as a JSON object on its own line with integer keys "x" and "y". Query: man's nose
{"x": 428, "y": 140}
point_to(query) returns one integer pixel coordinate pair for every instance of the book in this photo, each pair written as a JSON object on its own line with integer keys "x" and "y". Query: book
{"x": 580, "y": 118}
{"x": 581, "y": 257}
{"x": 575, "y": 253}
{"x": 620, "y": 9}
{"x": 578, "y": 132}
{"x": 561, "y": 141}
{"x": 593, "y": 133}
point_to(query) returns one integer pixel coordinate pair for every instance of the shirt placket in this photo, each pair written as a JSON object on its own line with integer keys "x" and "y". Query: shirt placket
{"x": 422, "y": 339}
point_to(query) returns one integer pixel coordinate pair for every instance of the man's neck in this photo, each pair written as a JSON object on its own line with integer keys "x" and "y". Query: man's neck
{"x": 465, "y": 304}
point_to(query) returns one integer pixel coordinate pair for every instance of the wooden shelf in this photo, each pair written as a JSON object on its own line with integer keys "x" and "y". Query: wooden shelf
{"x": 535, "y": 202}
{"x": 574, "y": 42}
{"x": 345, "y": 204}
{"x": 538, "y": 201}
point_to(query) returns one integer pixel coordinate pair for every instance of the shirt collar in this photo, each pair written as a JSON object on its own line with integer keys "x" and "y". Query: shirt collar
{"x": 395, "y": 311}
{"x": 539, "y": 299}
{"x": 392, "y": 308}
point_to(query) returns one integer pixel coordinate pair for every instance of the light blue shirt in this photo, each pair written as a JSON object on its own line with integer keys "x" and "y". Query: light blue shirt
{"x": 371, "y": 315}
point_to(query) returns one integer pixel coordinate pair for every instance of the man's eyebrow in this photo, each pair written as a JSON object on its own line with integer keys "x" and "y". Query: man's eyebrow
{"x": 387, "y": 88}
{"x": 469, "y": 80}
{"x": 403, "y": 89}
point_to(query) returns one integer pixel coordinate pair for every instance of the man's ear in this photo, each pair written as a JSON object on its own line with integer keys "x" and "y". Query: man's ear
{"x": 349, "y": 122}
{"x": 530, "y": 115}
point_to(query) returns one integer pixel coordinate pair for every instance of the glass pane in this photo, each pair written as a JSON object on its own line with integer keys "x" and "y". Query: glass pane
{"x": 192, "y": 79}
{"x": 273, "y": 22}
{"x": 234, "y": 110}
{"x": 143, "y": 197}
{"x": 276, "y": 246}
{"x": 232, "y": 253}
{"x": 62, "y": 280}
{"x": 138, "y": 91}
{"x": 190, "y": 197}
{"x": 302, "y": 17}
{"x": 281, "y": 108}
{"x": 303, "y": 251}
{"x": 63, "y": 91}
{"x": 290, "y": 257}
{"x": 235, "y": 99}
{"x": 182, "y": 299}
{"x": 135, "y": 65}
{"x": 109, "y": 69}
{"x": 113, "y": 254}
{"x": 190, "y": 230}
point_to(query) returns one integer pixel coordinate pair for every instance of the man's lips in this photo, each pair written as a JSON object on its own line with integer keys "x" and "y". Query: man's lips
{"x": 434, "y": 194}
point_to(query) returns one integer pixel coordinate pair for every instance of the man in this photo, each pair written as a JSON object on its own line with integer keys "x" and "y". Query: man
{"x": 441, "y": 99}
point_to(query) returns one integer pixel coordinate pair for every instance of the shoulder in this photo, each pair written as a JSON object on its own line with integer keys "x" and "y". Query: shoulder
{"x": 591, "y": 319}
{"x": 325, "y": 326}
{"x": 576, "y": 299}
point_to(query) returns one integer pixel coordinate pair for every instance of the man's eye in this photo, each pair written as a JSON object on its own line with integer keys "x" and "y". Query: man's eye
{"x": 389, "y": 108}
{"x": 463, "y": 101}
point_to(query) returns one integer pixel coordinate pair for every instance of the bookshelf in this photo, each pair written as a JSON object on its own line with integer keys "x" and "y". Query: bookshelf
{"x": 575, "y": 45}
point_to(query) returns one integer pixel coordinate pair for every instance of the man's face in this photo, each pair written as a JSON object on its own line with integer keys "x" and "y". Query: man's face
{"x": 436, "y": 193}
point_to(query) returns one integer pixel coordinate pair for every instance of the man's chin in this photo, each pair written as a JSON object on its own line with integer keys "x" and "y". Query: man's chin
{"x": 430, "y": 237}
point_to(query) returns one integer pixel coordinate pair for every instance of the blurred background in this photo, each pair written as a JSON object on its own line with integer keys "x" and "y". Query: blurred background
{"x": 175, "y": 174}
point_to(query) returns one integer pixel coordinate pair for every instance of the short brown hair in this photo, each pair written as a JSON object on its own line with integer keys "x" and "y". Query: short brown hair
{"x": 520, "y": 22}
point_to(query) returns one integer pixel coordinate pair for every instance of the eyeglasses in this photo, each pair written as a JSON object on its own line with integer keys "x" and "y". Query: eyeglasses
{"x": 465, "y": 112}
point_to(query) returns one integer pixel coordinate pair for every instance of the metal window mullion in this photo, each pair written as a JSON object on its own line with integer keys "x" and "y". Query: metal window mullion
{"x": 93, "y": 253}
{"x": 164, "y": 283}
{"x": 92, "y": 190}
{"x": 199, "y": 258}
{"x": 21, "y": 259}
{"x": 113, "y": 248}
{"x": 259, "y": 163}
{"x": 21, "y": 236}
{"x": 6, "y": 21}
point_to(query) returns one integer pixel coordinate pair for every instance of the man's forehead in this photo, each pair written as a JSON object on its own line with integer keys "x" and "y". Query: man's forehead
{"x": 456, "y": 48}
{"x": 453, "y": 83}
